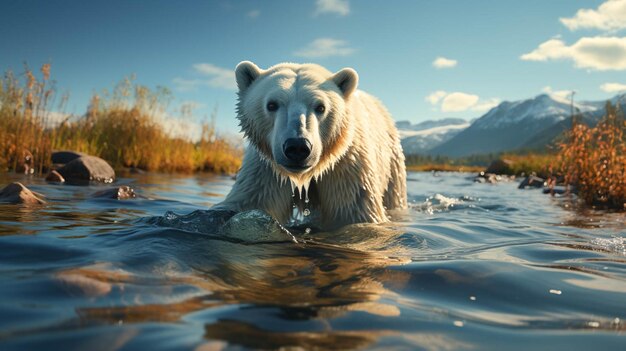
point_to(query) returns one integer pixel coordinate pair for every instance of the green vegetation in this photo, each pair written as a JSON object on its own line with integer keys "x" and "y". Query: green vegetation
{"x": 594, "y": 160}
{"x": 123, "y": 128}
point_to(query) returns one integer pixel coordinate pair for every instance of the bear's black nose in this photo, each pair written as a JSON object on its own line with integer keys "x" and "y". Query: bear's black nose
{"x": 297, "y": 149}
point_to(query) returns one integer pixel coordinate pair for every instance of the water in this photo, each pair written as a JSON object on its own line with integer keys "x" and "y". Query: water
{"x": 469, "y": 266}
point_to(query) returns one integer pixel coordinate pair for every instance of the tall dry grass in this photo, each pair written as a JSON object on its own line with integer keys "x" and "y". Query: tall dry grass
{"x": 594, "y": 160}
{"x": 124, "y": 127}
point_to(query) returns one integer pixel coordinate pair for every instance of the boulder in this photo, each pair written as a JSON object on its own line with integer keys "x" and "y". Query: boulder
{"x": 64, "y": 157}
{"x": 17, "y": 193}
{"x": 87, "y": 168}
{"x": 500, "y": 167}
{"x": 120, "y": 193}
{"x": 532, "y": 182}
{"x": 55, "y": 176}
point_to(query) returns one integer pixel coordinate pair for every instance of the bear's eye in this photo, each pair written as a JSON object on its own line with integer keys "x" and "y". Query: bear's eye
{"x": 272, "y": 106}
{"x": 320, "y": 108}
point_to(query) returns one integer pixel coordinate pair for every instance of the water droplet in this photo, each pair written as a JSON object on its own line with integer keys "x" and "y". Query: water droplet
{"x": 593, "y": 324}
{"x": 555, "y": 292}
{"x": 473, "y": 298}
{"x": 459, "y": 324}
{"x": 307, "y": 231}
{"x": 306, "y": 212}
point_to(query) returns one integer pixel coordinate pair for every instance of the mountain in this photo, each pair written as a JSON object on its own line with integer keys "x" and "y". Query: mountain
{"x": 531, "y": 123}
{"x": 421, "y": 137}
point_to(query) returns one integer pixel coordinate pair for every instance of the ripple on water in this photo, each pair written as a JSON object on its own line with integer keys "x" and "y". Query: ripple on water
{"x": 466, "y": 267}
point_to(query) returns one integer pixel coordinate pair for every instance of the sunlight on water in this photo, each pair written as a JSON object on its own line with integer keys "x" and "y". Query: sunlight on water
{"x": 468, "y": 266}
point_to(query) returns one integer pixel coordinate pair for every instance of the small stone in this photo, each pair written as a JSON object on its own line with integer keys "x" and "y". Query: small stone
{"x": 55, "y": 176}
{"x": 120, "y": 193}
{"x": 532, "y": 182}
{"x": 17, "y": 193}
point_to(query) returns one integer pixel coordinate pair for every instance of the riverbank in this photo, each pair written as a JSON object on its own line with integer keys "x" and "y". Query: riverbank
{"x": 124, "y": 127}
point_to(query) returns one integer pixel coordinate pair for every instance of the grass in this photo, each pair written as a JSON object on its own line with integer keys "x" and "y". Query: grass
{"x": 443, "y": 167}
{"x": 593, "y": 159}
{"x": 531, "y": 163}
{"x": 124, "y": 127}
{"x": 520, "y": 164}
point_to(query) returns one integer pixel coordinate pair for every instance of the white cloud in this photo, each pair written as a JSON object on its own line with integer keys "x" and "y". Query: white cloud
{"x": 610, "y": 16}
{"x": 598, "y": 53}
{"x": 325, "y": 47}
{"x": 214, "y": 77}
{"x": 436, "y": 96}
{"x": 564, "y": 94}
{"x": 613, "y": 87}
{"x": 459, "y": 102}
{"x": 338, "y": 7}
{"x": 253, "y": 13}
{"x": 442, "y": 62}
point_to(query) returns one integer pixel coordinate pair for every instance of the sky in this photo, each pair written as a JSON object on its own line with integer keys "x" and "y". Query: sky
{"x": 424, "y": 59}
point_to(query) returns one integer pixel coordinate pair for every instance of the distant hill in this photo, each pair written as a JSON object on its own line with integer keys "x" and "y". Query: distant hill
{"x": 525, "y": 124}
{"x": 420, "y": 138}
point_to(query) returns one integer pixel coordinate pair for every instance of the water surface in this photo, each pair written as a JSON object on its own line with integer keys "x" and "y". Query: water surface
{"x": 469, "y": 266}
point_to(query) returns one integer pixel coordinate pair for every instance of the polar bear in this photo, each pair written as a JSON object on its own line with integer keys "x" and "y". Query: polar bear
{"x": 315, "y": 143}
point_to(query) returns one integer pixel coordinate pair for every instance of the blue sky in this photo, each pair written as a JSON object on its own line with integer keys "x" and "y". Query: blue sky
{"x": 423, "y": 59}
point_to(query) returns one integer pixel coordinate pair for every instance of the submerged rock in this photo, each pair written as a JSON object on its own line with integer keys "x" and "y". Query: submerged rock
{"x": 17, "y": 193}
{"x": 87, "y": 168}
{"x": 55, "y": 176}
{"x": 532, "y": 182}
{"x": 63, "y": 157}
{"x": 256, "y": 226}
{"x": 119, "y": 193}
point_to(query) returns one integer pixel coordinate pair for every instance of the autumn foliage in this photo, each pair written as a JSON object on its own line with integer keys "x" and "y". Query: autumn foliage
{"x": 593, "y": 160}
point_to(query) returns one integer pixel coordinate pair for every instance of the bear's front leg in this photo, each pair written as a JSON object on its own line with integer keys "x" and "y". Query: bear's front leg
{"x": 258, "y": 187}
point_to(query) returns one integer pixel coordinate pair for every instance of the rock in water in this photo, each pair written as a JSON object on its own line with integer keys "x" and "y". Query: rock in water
{"x": 87, "y": 168}
{"x": 532, "y": 182}
{"x": 64, "y": 157}
{"x": 55, "y": 176}
{"x": 17, "y": 193}
{"x": 256, "y": 226}
{"x": 120, "y": 193}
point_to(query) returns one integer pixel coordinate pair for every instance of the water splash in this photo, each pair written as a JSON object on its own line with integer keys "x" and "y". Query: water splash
{"x": 616, "y": 244}
{"x": 253, "y": 226}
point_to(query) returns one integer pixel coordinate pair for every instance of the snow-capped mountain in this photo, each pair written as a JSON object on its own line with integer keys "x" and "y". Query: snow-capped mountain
{"x": 528, "y": 123}
{"x": 544, "y": 108}
{"x": 420, "y": 142}
{"x": 421, "y": 137}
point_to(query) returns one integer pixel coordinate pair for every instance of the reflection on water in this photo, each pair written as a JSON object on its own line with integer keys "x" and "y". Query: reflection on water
{"x": 469, "y": 266}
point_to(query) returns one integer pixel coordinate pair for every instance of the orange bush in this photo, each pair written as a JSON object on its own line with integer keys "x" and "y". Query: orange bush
{"x": 594, "y": 160}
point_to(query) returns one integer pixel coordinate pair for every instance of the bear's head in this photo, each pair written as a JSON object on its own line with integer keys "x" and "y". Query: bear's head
{"x": 296, "y": 116}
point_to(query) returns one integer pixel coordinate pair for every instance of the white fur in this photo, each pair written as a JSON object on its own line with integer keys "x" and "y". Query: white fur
{"x": 357, "y": 167}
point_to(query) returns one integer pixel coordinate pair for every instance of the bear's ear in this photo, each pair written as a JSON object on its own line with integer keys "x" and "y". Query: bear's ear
{"x": 245, "y": 73}
{"x": 347, "y": 80}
